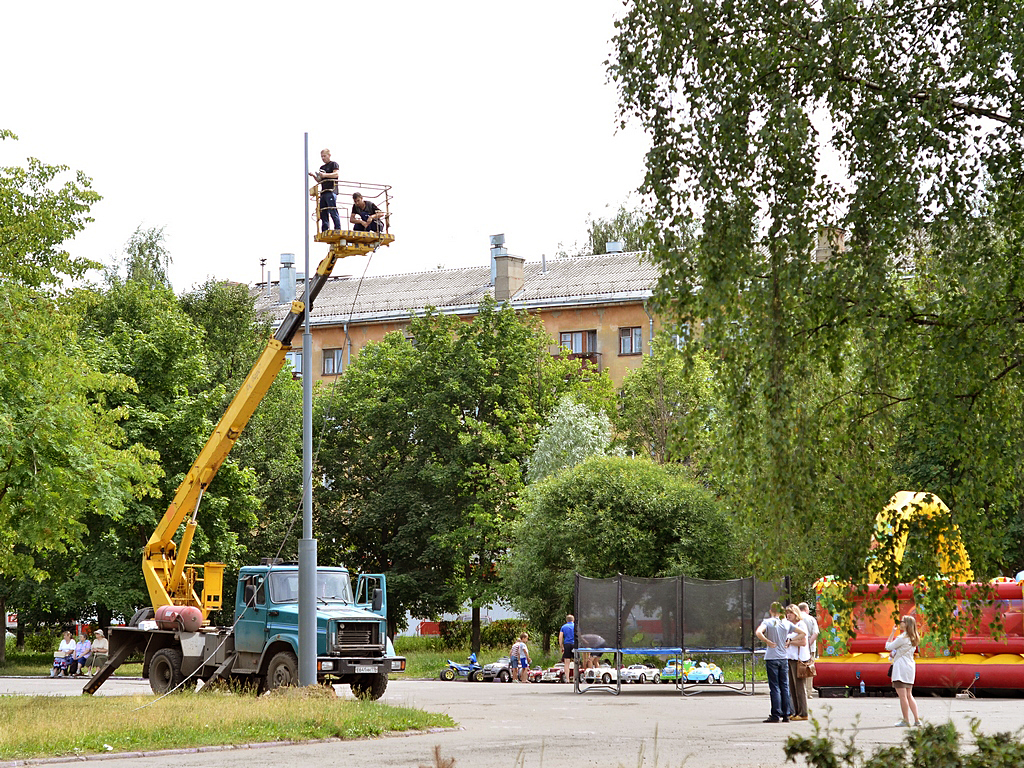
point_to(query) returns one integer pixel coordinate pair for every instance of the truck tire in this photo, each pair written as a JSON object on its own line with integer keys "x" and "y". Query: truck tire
{"x": 370, "y": 687}
{"x": 165, "y": 670}
{"x": 282, "y": 670}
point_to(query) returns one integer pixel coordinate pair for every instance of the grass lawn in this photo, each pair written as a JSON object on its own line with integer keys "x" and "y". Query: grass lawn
{"x": 135, "y": 723}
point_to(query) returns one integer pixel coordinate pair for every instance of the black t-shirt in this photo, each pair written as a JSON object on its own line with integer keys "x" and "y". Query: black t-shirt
{"x": 368, "y": 210}
{"x": 327, "y": 185}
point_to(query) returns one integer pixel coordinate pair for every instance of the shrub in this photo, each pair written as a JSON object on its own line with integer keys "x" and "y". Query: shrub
{"x": 455, "y": 634}
{"x": 502, "y": 633}
{"x": 935, "y": 746}
{"x": 43, "y": 640}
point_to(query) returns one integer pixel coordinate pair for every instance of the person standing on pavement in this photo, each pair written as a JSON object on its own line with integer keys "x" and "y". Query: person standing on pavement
{"x": 522, "y": 659}
{"x": 772, "y": 632}
{"x": 901, "y": 648}
{"x": 796, "y": 651}
{"x": 326, "y": 177}
{"x": 811, "y": 624}
{"x": 567, "y": 644}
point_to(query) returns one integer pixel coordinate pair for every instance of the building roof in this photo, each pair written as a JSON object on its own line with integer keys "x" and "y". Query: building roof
{"x": 582, "y": 280}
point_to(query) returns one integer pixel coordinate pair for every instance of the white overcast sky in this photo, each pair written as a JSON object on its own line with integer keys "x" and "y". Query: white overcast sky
{"x": 484, "y": 117}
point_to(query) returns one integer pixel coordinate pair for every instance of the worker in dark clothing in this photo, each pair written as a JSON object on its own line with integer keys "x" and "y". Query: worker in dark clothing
{"x": 366, "y": 217}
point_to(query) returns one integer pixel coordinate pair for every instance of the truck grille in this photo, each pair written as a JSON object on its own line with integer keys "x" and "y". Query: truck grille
{"x": 355, "y": 633}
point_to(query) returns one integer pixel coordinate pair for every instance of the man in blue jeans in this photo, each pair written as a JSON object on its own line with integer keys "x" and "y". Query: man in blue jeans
{"x": 326, "y": 176}
{"x": 772, "y": 632}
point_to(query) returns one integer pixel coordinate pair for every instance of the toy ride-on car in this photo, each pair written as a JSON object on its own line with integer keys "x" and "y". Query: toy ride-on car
{"x": 499, "y": 670}
{"x": 473, "y": 672}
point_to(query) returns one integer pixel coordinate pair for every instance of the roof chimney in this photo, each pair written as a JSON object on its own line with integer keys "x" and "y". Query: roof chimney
{"x": 286, "y": 289}
{"x": 831, "y": 240}
{"x": 613, "y": 246}
{"x": 508, "y": 280}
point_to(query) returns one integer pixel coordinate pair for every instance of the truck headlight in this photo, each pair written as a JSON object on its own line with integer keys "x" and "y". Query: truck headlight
{"x": 397, "y": 665}
{"x": 326, "y": 666}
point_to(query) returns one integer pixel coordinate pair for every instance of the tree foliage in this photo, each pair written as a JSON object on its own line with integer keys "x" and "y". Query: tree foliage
{"x": 668, "y": 407}
{"x": 574, "y": 432}
{"x": 65, "y": 454}
{"x": 427, "y": 451}
{"x": 145, "y": 335}
{"x": 627, "y": 226}
{"x": 836, "y": 188}
{"x": 41, "y": 207}
{"x": 611, "y": 515}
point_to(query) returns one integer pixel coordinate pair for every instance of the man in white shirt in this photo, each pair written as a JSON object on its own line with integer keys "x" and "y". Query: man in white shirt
{"x": 812, "y": 642}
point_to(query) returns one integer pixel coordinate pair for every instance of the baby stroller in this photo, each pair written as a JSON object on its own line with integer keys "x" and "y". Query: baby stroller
{"x": 61, "y": 664}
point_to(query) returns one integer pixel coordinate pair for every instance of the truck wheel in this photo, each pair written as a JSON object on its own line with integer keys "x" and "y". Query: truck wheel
{"x": 447, "y": 674}
{"x": 504, "y": 676}
{"x": 165, "y": 670}
{"x": 370, "y": 687}
{"x": 282, "y": 670}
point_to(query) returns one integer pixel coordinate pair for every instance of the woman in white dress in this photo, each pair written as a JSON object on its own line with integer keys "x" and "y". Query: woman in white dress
{"x": 901, "y": 648}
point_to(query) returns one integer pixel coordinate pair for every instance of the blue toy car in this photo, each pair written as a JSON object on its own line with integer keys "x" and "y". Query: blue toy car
{"x": 705, "y": 672}
{"x": 473, "y": 672}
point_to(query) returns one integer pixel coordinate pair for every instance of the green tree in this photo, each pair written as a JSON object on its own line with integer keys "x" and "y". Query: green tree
{"x": 428, "y": 449}
{"x": 42, "y": 207}
{"x": 146, "y": 336}
{"x": 574, "y": 432}
{"x": 627, "y": 226}
{"x": 884, "y": 301}
{"x": 64, "y": 455}
{"x": 668, "y": 404}
{"x": 606, "y": 516}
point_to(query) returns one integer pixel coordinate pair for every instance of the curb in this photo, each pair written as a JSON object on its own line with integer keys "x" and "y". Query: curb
{"x": 198, "y": 750}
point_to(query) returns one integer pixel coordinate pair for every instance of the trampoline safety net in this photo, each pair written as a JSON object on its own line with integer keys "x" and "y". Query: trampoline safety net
{"x": 623, "y": 612}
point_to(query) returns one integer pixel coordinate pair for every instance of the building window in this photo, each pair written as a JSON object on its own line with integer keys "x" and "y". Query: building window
{"x": 295, "y": 358}
{"x": 334, "y": 361}
{"x": 631, "y": 341}
{"x": 579, "y": 342}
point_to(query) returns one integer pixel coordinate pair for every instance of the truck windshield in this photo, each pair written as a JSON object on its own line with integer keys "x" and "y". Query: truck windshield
{"x": 330, "y": 585}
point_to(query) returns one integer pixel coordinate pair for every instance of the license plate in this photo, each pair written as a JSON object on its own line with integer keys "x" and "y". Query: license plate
{"x": 365, "y": 670}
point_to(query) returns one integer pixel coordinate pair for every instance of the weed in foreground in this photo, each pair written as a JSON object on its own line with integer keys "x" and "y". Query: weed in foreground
{"x": 935, "y": 746}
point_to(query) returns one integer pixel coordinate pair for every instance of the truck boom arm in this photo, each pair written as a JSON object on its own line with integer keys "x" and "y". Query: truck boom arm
{"x": 169, "y": 580}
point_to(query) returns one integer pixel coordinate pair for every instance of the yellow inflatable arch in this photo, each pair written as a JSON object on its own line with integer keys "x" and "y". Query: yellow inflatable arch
{"x": 889, "y": 528}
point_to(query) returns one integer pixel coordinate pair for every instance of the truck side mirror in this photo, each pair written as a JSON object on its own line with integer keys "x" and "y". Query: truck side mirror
{"x": 378, "y": 599}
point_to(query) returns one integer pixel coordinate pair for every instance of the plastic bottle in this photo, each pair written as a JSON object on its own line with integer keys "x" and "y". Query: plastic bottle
{"x": 861, "y": 687}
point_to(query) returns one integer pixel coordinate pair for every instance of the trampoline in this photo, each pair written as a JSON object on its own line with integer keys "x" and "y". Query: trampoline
{"x": 670, "y": 617}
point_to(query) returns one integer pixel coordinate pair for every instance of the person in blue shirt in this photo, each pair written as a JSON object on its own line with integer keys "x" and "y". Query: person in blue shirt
{"x": 567, "y": 643}
{"x": 772, "y": 632}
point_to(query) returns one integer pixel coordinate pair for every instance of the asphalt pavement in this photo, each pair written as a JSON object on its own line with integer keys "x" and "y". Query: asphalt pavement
{"x": 523, "y": 725}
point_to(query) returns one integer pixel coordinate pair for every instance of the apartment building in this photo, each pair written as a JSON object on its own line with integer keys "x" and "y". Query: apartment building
{"x": 597, "y": 307}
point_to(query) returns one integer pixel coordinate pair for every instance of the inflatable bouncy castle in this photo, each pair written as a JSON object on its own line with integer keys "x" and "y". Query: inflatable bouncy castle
{"x": 987, "y": 650}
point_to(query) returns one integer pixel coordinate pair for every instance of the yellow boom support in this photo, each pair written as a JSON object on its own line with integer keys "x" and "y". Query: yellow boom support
{"x": 169, "y": 579}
